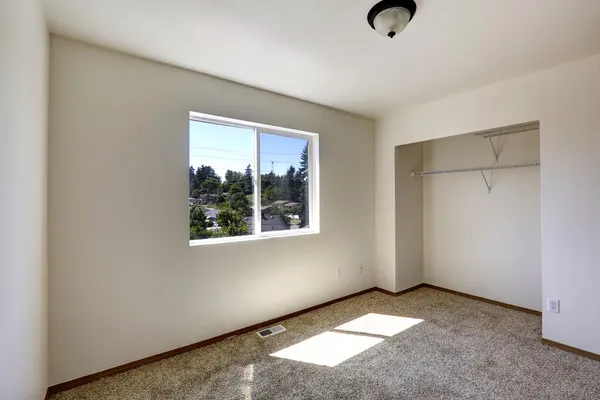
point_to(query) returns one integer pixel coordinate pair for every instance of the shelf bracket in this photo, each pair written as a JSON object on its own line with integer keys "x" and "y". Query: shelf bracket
{"x": 494, "y": 148}
{"x": 486, "y": 183}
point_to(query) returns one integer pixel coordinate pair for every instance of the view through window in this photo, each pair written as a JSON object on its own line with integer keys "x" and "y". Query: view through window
{"x": 230, "y": 163}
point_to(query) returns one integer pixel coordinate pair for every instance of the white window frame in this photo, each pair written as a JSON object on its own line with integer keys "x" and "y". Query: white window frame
{"x": 314, "y": 215}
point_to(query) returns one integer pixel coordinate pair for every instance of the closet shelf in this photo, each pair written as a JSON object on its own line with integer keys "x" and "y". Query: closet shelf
{"x": 507, "y": 130}
{"x": 488, "y": 134}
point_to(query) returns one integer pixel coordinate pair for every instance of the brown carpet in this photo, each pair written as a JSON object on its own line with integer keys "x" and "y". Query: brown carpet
{"x": 463, "y": 349}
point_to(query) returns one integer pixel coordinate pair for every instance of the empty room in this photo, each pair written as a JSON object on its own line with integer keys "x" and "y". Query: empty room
{"x": 246, "y": 200}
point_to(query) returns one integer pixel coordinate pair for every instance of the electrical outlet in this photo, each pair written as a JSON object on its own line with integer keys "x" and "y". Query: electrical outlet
{"x": 553, "y": 305}
{"x": 361, "y": 269}
{"x": 338, "y": 273}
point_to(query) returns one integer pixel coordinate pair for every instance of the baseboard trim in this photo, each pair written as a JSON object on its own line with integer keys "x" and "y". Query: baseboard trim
{"x": 497, "y": 303}
{"x": 570, "y": 349}
{"x": 390, "y": 293}
{"x": 61, "y": 387}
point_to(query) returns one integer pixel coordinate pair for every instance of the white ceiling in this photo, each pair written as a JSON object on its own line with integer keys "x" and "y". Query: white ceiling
{"x": 325, "y": 52}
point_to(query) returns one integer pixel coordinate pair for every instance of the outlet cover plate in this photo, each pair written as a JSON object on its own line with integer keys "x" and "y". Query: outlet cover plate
{"x": 554, "y": 306}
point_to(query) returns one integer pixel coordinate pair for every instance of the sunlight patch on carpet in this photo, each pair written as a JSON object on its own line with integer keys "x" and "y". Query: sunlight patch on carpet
{"x": 249, "y": 373}
{"x": 329, "y": 348}
{"x": 379, "y": 324}
{"x": 247, "y": 382}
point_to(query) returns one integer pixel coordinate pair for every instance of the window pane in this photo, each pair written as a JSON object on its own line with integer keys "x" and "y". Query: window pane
{"x": 284, "y": 182}
{"x": 220, "y": 180}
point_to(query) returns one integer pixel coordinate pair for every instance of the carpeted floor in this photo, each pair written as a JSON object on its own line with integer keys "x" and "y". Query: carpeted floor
{"x": 463, "y": 349}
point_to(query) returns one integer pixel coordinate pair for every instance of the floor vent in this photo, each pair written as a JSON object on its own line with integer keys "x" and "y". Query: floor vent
{"x": 274, "y": 330}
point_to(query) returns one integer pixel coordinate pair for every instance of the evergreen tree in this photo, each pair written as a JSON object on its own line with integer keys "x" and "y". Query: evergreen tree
{"x": 294, "y": 183}
{"x": 271, "y": 177}
{"x": 284, "y": 190}
{"x": 304, "y": 162}
{"x": 197, "y": 217}
{"x": 304, "y": 196}
{"x": 304, "y": 204}
{"x": 198, "y": 224}
{"x": 192, "y": 175}
{"x": 265, "y": 182}
{"x": 247, "y": 182}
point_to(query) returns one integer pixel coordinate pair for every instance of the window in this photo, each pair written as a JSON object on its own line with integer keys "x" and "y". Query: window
{"x": 249, "y": 181}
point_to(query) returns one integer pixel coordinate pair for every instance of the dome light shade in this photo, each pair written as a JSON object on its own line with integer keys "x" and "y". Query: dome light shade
{"x": 389, "y": 17}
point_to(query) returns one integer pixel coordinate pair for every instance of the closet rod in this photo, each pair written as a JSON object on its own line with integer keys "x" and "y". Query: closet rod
{"x": 475, "y": 169}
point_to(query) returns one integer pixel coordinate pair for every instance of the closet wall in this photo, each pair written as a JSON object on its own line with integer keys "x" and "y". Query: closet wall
{"x": 475, "y": 242}
{"x": 409, "y": 217}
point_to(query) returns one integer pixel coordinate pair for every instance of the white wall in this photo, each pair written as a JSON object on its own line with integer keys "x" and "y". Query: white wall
{"x": 123, "y": 283}
{"x": 565, "y": 100}
{"x": 476, "y": 242}
{"x": 409, "y": 217}
{"x": 23, "y": 111}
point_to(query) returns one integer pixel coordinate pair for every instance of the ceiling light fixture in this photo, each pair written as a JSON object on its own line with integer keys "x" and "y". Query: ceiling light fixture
{"x": 389, "y": 17}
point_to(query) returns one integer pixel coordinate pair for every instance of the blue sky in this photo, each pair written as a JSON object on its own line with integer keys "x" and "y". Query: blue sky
{"x": 226, "y": 147}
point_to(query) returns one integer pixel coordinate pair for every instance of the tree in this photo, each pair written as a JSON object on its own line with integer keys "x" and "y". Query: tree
{"x": 285, "y": 183}
{"x": 271, "y": 177}
{"x": 197, "y": 216}
{"x": 247, "y": 181}
{"x": 203, "y": 173}
{"x": 198, "y": 224}
{"x": 196, "y": 194}
{"x": 271, "y": 194}
{"x": 235, "y": 189}
{"x": 304, "y": 186}
{"x": 220, "y": 198}
{"x": 265, "y": 182}
{"x": 200, "y": 233}
{"x": 232, "y": 177}
{"x": 293, "y": 183}
{"x": 304, "y": 162}
{"x": 192, "y": 175}
{"x": 238, "y": 200}
{"x": 231, "y": 223}
{"x": 304, "y": 204}
{"x": 210, "y": 186}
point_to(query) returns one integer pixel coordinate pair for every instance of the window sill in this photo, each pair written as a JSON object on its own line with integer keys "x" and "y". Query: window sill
{"x": 250, "y": 238}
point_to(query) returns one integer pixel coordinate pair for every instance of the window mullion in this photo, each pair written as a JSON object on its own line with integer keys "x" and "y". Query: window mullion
{"x": 313, "y": 184}
{"x": 311, "y": 191}
{"x": 257, "y": 190}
